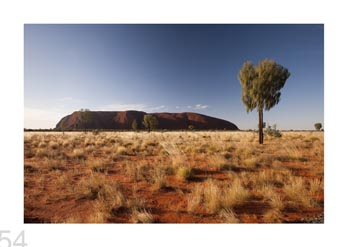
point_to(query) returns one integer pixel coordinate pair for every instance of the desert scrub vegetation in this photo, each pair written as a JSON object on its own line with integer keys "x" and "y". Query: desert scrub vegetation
{"x": 212, "y": 196}
{"x": 183, "y": 176}
{"x": 216, "y": 197}
{"x": 234, "y": 194}
{"x": 221, "y": 162}
{"x": 158, "y": 177}
{"x": 99, "y": 165}
{"x": 195, "y": 198}
{"x": 141, "y": 216}
{"x": 229, "y": 216}
{"x": 185, "y": 173}
{"x": 273, "y": 216}
{"x": 272, "y": 131}
{"x": 97, "y": 187}
{"x": 106, "y": 196}
{"x": 296, "y": 191}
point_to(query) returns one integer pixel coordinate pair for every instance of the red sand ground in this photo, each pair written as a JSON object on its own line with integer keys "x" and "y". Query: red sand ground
{"x": 50, "y": 203}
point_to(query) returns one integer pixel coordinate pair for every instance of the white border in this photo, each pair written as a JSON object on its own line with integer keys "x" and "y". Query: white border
{"x": 14, "y": 14}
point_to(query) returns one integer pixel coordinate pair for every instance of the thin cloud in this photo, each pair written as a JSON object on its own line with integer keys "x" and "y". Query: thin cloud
{"x": 122, "y": 107}
{"x": 200, "y": 107}
{"x": 193, "y": 107}
{"x": 157, "y": 108}
{"x": 196, "y": 107}
{"x": 135, "y": 107}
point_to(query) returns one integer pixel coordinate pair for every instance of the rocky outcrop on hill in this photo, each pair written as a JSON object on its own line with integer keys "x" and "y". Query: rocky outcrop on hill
{"x": 122, "y": 120}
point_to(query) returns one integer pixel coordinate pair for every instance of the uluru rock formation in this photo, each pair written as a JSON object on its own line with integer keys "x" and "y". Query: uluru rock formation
{"x": 122, "y": 120}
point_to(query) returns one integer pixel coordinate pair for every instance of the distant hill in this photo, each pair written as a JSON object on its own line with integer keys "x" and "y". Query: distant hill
{"x": 122, "y": 120}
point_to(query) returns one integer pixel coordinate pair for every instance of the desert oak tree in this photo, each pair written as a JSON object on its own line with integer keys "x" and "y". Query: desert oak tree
{"x": 150, "y": 122}
{"x": 318, "y": 126}
{"x": 85, "y": 117}
{"x": 134, "y": 125}
{"x": 261, "y": 85}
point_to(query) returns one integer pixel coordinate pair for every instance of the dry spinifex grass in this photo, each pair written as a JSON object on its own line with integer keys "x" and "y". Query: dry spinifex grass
{"x": 212, "y": 172}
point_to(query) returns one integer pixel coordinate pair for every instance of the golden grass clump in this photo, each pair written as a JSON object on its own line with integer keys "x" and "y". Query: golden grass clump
{"x": 53, "y": 145}
{"x": 98, "y": 165}
{"x": 79, "y": 153}
{"x": 66, "y": 143}
{"x": 229, "y": 216}
{"x": 316, "y": 185}
{"x": 276, "y": 164}
{"x": 42, "y": 145}
{"x": 98, "y": 218}
{"x": 276, "y": 202}
{"x": 106, "y": 196}
{"x": 76, "y": 219}
{"x": 121, "y": 150}
{"x": 96, "y": 186}
{"x": 141, "y": 216}
{"x": 265, "y": 191}
{"x": 212, "y": 196}
{"x": 137, "y": 172}
{"x": 53, "y": 164}
{"x": 273, "y": 216}
{"x": 250, "y": 162}
{"x": 42, "y": 152}
{"x": 184, "y": 173}
{"x": 158, "y": 177}
{"x": 216, "y": 198}
{"x": 234, "y": 194}
{"x": 195, "y": 198}
{"x": 219, "y": 162}
{"x": 297, "y": 192}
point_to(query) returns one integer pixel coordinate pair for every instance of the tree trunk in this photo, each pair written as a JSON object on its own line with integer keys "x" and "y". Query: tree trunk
{"x": 261, "y": 134}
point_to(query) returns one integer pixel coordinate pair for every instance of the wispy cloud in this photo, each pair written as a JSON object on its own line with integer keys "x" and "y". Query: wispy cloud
{"x": 195, "y": 107}
{"x": 122, "y": 107}
{"x": 158, "y": 108}
{"x": 200, "y": 107}
{"x": 136, "y": 107}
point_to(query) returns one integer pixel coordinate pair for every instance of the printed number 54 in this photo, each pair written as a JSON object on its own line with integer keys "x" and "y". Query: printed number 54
{"x": 19, "y": 241}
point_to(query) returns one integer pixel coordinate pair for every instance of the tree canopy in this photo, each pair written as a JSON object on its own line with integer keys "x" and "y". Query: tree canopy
{"x": 134, "y": 125}
{"x": 150, "y": 122}
{"x": 85, "y": 117}
{"x": 318, "y": 126}
{"x": 261, "y": 85}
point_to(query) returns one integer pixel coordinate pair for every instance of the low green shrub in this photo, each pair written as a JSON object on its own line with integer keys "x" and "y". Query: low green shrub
{"x": 272, "y": 131}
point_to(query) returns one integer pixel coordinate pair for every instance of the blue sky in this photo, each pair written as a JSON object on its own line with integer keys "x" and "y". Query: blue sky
{"x": 169, "y": 68}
